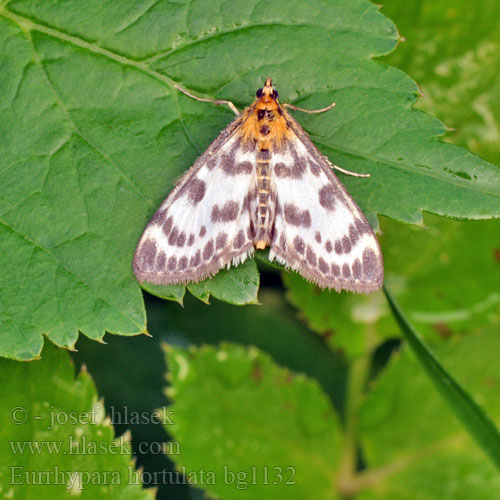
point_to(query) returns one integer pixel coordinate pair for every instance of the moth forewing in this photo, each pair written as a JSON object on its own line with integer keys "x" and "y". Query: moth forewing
{"x": 261, "y": 183}
{"x": 198, "y": 229}
{"x": 320, "y": 231}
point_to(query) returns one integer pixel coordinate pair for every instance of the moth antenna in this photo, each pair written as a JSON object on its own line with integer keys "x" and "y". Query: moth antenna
{"x": 217, "y": 102}
{"x": 308, "y": 111}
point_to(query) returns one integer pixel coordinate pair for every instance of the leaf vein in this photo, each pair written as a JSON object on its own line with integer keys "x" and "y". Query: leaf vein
{"x": 69, "y": 271}
{"x": 410, "y": 168}
{"x": 191, "y": 43}
{"x": 78, "y": 131}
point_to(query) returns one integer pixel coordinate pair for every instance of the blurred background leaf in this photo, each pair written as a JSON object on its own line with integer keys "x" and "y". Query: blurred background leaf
{"x": 445, "y": 276}
{"x": 412, "y": 444}
{"x": 93, "y": 84}
{"x": 56, "y": 441}
{"x": 269, "y": 433}
{"x": 452, "y": 50}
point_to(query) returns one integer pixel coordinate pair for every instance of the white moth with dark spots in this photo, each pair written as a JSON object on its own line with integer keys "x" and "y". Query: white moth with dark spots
{"x": 261, "y": 183}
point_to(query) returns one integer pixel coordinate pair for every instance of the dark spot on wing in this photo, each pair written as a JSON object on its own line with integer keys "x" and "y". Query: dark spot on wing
{"x": 203, "y": 231}
{"x": 148, "y": 254}
{"x": 314, "y": 167}
{"x": 181, "y": 239}
{"x": 370, "y": 264}
{"x": 310, "y": 256}
{"x": 230, "y": 167}
{"x": 167, "y": 226}
{"x": 362, "y": 226}
{"x": 356, "y": 269}
{"x": 346, "y": 244}
{"x": 172, "y": 262}
{"x": 299, "y": 165}
{"x": 295, "y": 216}
{"x": 160, "y": 260}
{"x": 353, "y": 235}
{"x": 299, "y": 245}
{"x": 158, "y": 216}
{"x": 338, "y": 247}
{"x": 323, "y": 266}
{"x": 208, "y": 250}
{"x": 197, "y": 190}
{"x": 281, "y": 170}
{"x": 326, "y": 197}
{"x": 227, "y": 213}
{"x": 346, "y": 271}
{"x": 221, "y": 240}
{"x": 195, "y": 259}
{"x": 239, "y": 240}
{"x": 212, "y": 162}
{"x": 182, "y": 263}
{"x": 250, "y": 196}
{"x": 244, "y": 167}
{"x": 282, "y": 242}
{"x": 172, "y": 239}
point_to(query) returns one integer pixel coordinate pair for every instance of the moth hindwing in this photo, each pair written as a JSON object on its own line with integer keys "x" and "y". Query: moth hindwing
{"x": 261, "y": 183}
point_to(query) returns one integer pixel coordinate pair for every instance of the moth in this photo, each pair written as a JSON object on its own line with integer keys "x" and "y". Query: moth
{"x": 261, "y": 183}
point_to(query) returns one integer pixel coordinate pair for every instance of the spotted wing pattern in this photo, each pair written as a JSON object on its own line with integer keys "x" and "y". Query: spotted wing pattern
{"x": 319, "y": 230}
{"x": 261, "y": 183}
{"x": 205, "y": 222}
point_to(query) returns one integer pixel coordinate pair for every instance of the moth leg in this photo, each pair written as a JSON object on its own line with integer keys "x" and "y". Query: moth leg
{"x": 218, "y": 102}
{"x": 310, "y": 111}
{"x": 344, "y": 171}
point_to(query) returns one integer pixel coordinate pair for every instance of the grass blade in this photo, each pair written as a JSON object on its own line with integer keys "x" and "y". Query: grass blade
{"x": 468, "y": 412}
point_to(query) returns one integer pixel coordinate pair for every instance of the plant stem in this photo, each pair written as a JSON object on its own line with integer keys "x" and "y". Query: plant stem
{"x": 356, "y": 383}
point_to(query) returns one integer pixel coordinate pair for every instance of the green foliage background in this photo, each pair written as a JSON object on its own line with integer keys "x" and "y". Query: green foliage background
{"x": 92, "y": 138}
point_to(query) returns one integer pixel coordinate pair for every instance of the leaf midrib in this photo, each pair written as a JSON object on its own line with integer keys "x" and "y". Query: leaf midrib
{"x": 350, "y": 29}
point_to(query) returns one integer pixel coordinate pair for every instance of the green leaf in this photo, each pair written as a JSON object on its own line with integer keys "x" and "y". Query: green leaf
{"x": 239, "y": 286}
{"x": 455, "y": 65}
{"x": 272, "y": 327}
{"x": 445, "y": 275}
{"x": 411, "y": 442}
{"x": 236, "y": 286}
{"x": 55, "y": 441}
{"x": 346, "y": 319}
{"x": 108, "y": 136}
{"x": 168, "y": 292}
{"x": 257, "y": 419}
{"x": 472, "y": 416}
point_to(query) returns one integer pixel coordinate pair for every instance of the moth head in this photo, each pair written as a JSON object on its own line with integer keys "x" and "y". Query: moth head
{"x": 267, "y": 92}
